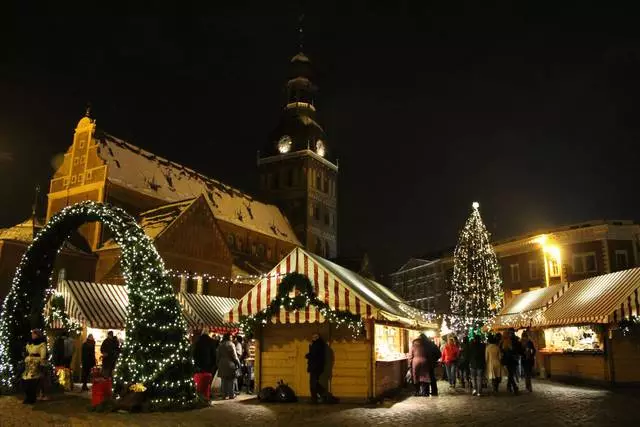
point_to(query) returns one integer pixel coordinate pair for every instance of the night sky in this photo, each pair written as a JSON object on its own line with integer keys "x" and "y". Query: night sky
{"x": 531, "y": 110}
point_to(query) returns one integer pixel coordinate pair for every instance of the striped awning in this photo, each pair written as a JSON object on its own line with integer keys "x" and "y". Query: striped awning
{"x": 601, "y": 299}
{"x": 97, "y": 305}
{"x": 340, "y": 288}
{"x": 526, "y": 309}
{"x": 207, "y": 311}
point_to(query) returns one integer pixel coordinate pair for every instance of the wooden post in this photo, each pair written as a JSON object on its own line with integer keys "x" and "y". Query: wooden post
{"x": 183, "y": 283}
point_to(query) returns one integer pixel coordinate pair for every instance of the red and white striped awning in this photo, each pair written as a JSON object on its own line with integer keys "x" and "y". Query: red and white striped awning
{"x": 337, "y": 286}
{"x": 526, "y": 309}
{"x": 207, "y": 311}
{"x": 601, "y": 299}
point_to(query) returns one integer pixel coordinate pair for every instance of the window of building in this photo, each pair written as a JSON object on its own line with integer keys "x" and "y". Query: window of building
{"x": 75, "y": 161}
{"x": 316, "y": 212}
{"x": 585, "y": 263}
{"x": 326, "y": 186}
{"x": 327, "y": 219}
{"x": 622, "y": 259}
{"x": 231, "y": 240}
{"x": 515, "y": 273}
{"x": 238, "y": 243}
{"x": 311, "y": 210}
{"x": 254, "y": 249}
{"x": 319, "y": 246}
{"x": 319, "y": 181}
{"x": 533, "y": 269}
{"x": 554, "y": 268}
{"x": 290, "y": 177}
{"x": 327, "y": 249}
{"x": 260, "y": 250}
{"x": 276, "y": 181}
{"x": 73, "y": 179}
{"x": 269, "y": 253}
{"x": 88, "y": 175}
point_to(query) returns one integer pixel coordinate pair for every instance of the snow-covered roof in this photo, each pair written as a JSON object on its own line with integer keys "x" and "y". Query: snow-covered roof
{"x": 132, "y": 167}
{"x": 300, "y": 57}
{"x": 22, "y": 232}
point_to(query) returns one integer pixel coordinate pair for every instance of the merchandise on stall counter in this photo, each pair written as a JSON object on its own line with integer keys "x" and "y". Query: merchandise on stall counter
{"x": 389, "y": 345}
{"x": 573, "y": 339}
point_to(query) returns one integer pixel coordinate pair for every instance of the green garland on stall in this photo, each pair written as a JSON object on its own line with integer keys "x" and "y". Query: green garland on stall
{"x": 629, "y": 326}
{"x": 58, "y": 313}
{"x": 306, "y": 297}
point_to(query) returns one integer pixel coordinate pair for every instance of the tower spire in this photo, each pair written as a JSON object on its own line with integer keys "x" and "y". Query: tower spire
{"x": 301, "y": 32}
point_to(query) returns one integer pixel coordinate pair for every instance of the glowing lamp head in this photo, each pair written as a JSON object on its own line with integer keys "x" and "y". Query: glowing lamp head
{"x": 475, "y": 205}
{"x": 284, "y": 144}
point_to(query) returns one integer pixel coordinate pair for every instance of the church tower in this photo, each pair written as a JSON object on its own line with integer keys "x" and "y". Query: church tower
{"x": 298, "y": 171}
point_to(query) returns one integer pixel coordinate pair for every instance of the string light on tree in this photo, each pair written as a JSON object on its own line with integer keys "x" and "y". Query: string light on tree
{"x": 156, "y": 351}
{"x": 476, "y": 286}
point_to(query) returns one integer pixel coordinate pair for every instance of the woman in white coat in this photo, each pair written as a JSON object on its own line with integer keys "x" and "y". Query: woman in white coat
{"x": 493, "y": 357}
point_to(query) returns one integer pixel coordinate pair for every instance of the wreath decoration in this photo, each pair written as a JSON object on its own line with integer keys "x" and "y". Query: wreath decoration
{"x": 306, "y": 297}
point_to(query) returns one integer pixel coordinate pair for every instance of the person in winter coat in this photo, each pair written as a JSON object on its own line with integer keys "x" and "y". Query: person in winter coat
{"x": 36, "y": 357}
{"x": 493, "y": 364}
{"x": 57, "y": 353}
{"x": 511, "y": 350}
{"x": 239, "y": 383}
{"x": 463, "y": 361}
{"x": 110, "y": 350}
{"x": 204, "y": 358}
{"x": 68, "y": 351}
{"x": 228, "y": 364}
{"x": 88, "y": 360}
{"x": 528, "y": 359}
{"x": 477, "y": 364}
{"x": 433, "y": 354}
{"x": 450, "y": 356}
{"x": 420, "y": 363}
{"x": 315, "y": 367}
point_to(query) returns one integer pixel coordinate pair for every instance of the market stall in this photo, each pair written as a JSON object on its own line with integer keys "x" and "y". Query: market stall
{"x": 101, "y": 307}
{"x": 580, "y": 331}
{"x": 361, "y": 365}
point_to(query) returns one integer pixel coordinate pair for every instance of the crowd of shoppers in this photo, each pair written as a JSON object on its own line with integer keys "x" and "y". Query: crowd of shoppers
{"x": 476, "y": 364}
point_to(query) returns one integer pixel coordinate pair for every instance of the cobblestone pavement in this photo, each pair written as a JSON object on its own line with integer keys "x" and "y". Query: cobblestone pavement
{"x": 551, "y": 404}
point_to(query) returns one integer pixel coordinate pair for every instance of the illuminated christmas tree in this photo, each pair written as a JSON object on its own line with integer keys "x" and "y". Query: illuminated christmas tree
{"x": 476, "y": 286}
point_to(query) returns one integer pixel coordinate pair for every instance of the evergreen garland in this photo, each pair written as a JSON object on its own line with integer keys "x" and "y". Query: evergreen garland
{"x": 58, "y": 313}
{"x": 629, "y": 326}
{"x": 156, "y": 352}
{"x": 306, "y": 297}
{"x": 476, "y": 285}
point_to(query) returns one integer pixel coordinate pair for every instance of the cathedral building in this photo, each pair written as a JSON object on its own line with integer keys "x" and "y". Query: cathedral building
{"x": 205, "y": 230}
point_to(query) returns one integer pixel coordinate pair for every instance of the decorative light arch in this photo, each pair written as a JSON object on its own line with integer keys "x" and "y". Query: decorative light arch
{"x": 156, "y": 350}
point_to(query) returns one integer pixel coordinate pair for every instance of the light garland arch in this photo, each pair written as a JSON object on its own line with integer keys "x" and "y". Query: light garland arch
{"x": 156, "y": 350}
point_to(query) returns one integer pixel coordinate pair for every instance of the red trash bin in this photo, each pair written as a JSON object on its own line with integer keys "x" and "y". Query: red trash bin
{"x": 203, "y": 383}
{"x": 100, "y": 390}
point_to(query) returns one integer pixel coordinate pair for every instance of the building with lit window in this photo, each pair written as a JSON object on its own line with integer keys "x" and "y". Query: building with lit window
{"x": 530, "y": 261}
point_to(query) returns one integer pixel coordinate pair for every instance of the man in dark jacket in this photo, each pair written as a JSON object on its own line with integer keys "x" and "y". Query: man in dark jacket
{"x": 477, "y": 364}
{"x": 88, "y": 360}
{"x": 315, "y": 367}
{"x": 204, "y": 354}
{"x": 434, "y": 355}
{"x": 110, "y": 350}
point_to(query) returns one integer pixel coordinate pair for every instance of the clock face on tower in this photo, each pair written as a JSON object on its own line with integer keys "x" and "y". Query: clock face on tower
{"x": 284, "y": 144}
{"x": 320, "y": 149}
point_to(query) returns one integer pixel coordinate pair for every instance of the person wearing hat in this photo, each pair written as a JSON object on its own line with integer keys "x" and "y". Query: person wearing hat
{"x": 36, "y": 350}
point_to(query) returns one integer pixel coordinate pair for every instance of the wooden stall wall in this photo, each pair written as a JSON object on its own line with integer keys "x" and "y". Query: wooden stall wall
{"x": 282, "y": 357}
{"x": 625, "y": 352}
{"x": 588, "y": 368}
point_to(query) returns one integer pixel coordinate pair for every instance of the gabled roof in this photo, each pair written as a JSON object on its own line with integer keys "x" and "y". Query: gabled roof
{"x": 132, "y": 167}
{"x": 22, "y": 232}
{"x": 339, "y": 287}
{"x": 526, "y": 309}
{"x": 104, "y": 306}
{"x": 413, "y": 263}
